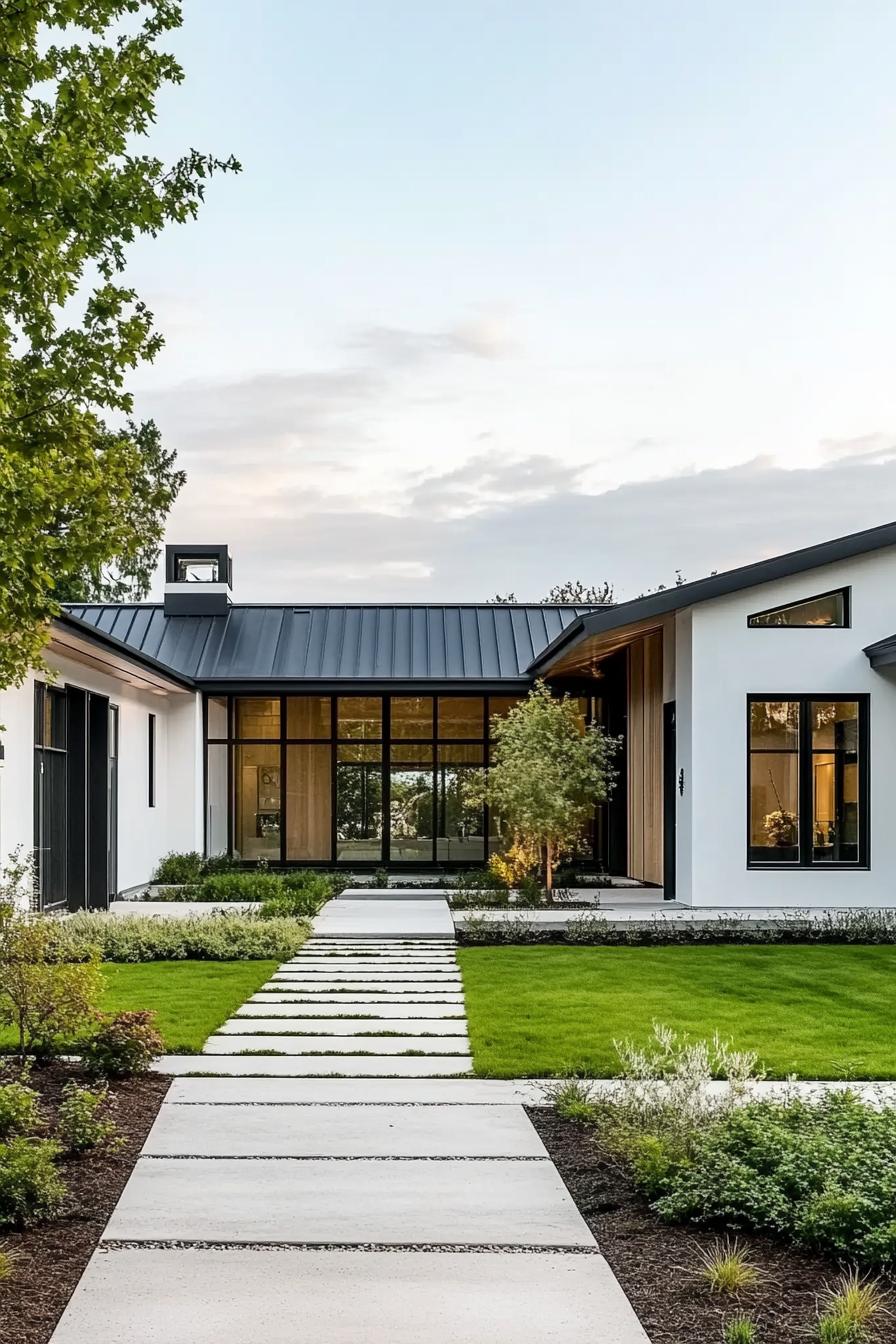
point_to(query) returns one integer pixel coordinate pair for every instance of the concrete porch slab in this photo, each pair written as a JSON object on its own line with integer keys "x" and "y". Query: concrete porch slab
{"x": 310, "y": 1201}
{"x": 336, "y": 1045}
{"x": 381, "y": 919}
{"x": 343, "y": 1026}
{"x": 343, "y": 1131}
{"x": 343, "y": 1297}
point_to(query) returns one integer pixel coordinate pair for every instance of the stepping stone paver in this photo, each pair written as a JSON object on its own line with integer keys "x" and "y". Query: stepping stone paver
{"x": 261, "y": 1006}
{"x": 283, "y": 1044}
{"x": 307, "y": 1202}
{"x": 336, "y": 1092}
{"x": 344, "y": 1026}
{"x": 343, "y": 1131}
{"x": 319, "y": 1066}
{"x": 347, "y": 1297}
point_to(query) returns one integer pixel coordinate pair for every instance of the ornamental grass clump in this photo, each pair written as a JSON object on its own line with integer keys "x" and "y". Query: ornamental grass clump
{"x": 852, "y": 1310}
{"x": 725, "y": 1268}
{"x": 740, "y": 1330}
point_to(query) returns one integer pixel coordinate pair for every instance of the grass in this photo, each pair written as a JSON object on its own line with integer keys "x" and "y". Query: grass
{"x": 191, "y": 998}
{"x": 815, "y": 1011}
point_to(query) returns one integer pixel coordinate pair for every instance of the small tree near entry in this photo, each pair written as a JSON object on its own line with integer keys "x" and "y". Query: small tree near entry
{"x": 547, "y": 774}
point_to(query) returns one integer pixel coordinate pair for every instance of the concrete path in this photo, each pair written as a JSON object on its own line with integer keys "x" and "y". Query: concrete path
{"x": 344, "y": 1190}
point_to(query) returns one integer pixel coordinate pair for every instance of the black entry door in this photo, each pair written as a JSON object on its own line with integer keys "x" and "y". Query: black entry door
{"x": 669, "y": 786}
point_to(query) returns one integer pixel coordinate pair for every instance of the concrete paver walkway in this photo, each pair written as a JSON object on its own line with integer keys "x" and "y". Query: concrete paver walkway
{"x": 345, "y": 1191}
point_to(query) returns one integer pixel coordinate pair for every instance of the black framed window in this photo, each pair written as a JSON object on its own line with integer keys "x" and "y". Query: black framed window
{"x": 825, "y": 611}
{"x": 151, "y": 759}
{"x": 808, "y": 803}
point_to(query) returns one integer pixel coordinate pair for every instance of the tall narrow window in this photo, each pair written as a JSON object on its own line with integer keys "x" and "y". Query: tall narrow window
{"x": 808, "y": 781}
{"x": 151, "y": 758}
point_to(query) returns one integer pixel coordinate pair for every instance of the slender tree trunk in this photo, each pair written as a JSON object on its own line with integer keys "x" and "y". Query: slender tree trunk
{"x": 549, "y": 870}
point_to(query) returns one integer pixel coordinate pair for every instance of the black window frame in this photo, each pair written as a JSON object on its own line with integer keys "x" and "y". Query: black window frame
{"x": 844, "y": 592}
{"x": 151, "y": 760}
{"x": 804, "y": 755}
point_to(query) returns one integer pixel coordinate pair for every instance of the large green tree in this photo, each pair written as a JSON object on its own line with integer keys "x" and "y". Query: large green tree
{"x": 548, "y": 773}
{"x": 83, "y": 489}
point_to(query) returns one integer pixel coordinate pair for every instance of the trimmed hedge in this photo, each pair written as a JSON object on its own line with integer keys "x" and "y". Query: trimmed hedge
{"x": 301, "y": 892}
{"x": 595, "y": 930}
{"x": 216, "y": 937}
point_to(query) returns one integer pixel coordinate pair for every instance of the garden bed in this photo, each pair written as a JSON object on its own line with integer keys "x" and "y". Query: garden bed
{"x": 658, "y": 1263}
{"x": 50, "y": 1257}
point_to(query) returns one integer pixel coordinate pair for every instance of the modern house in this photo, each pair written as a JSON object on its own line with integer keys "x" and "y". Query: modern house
{"x": 757, "y": 710}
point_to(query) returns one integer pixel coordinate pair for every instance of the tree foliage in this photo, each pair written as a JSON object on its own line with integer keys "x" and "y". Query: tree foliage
{"x": 547, "y": 774}
{"x": 83, "y": 489}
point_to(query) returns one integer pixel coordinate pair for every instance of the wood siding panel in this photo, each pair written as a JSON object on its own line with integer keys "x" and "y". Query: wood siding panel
{"x": 645, "y": 759}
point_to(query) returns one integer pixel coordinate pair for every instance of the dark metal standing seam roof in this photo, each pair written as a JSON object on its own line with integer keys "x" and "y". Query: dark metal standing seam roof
{"x": 485, "y": 643}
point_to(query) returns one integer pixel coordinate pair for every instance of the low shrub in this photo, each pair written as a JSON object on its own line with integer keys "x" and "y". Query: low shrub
{"x": 174, "y": 868}
{"x": 19, "y": 1110}
{"x": 31, "y": 1187}
{"x": 253, "y": 885}
{"x": 302, "y": 895}
{"x": 84, "y": 1119}
{"x": 125, "y": 1044}
{"x": 45, "y": 998}
{"x": 822, "y": 1174}
{"x": 213, "y": 937}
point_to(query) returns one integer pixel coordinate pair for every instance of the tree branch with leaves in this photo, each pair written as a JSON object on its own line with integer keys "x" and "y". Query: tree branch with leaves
{"x": 84, "y": 489}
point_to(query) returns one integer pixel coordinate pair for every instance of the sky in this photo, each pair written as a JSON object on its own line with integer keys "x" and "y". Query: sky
{"x": 517, "y": 291}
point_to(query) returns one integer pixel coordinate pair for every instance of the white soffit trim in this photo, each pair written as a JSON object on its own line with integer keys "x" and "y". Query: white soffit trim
{"x": 80, "y": 649}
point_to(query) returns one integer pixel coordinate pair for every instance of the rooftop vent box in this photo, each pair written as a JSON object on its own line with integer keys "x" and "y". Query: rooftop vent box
{"x": 197, "y": 580}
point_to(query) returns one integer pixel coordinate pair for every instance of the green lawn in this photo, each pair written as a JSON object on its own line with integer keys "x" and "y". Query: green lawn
{"x": 817, "y": 1011}
{"x": 191, "y": 998}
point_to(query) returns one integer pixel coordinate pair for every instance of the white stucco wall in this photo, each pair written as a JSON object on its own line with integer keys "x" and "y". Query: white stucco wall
{"x": 724, "y": 660}
{"x": 144, "y": 833}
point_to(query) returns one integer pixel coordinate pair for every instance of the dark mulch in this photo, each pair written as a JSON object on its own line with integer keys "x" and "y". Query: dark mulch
{"x": 50, "y": 1257}
{"x": 655, "y": 1261}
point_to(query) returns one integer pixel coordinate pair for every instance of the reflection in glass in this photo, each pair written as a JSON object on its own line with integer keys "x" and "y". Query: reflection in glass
{"x": 360, "y": 716}
{"x": 308, "y": 808}
{"x": 308, "y": 716}
{"x": 835, "y": 781}
{"x": 359, "y": 812}
{"x": 359, "y": 751}
{"x": 411, "y": 716}
{"x": 256, "y": 774}
{"x": 829, "y": 610}
{"x": 835, "y": 724}
{"x": 216, "y": 799}
{"x": 775, "y": 725}
{"x": 461, "y": 753}
{"x": 410, "y": 815}
{"x": 499, "y": 706}
{"x": 411, "y": 753}
{"x": 461, "y": 716}
{"x": 461, "y": 815}
{"x": 774, "y": 807}
{"x": 217, "y": 716}
{"x": 257, "y": 718}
